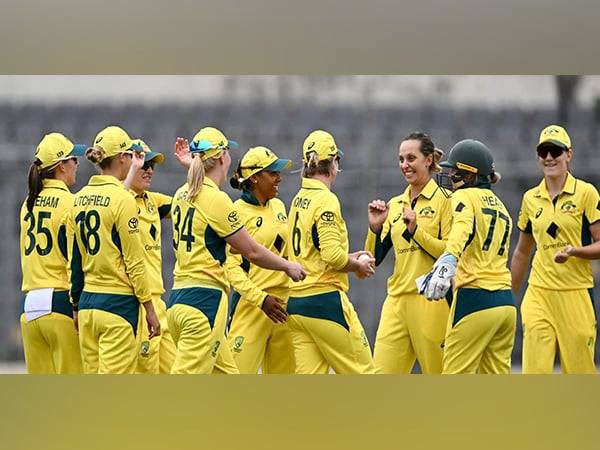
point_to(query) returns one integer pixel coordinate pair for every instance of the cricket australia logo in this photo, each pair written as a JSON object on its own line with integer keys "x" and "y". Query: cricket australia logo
{"x": 427, "y": 213}
{"x": 237, "y": 344}
{"x": 145, "y": 349}
{"x": 539, "y": 212}
{"x": 569, "y": 207}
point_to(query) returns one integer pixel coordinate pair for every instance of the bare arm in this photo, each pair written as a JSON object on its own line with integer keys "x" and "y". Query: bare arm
{"x": 257, "y": 254}
{"x": 520, "y": 260}
{"x": 591, "y": 251}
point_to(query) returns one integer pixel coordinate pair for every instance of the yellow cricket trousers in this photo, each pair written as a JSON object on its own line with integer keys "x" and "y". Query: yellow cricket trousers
{"x": 558, "y": 320}
{"x": 327, "y": 333}
{"x": 107, "y": 332}
{"x": 481, "y": 332}
{"x": 197, "y": 317}
{"x": 411, "y": 327}
{"x": 256, "y": 341}
{"x": 50, "y": 342}
{"x": 155, "y": 355}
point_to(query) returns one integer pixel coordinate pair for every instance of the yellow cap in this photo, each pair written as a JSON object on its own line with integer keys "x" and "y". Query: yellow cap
{"x": 261, "y": 158}
{"x": 322, "y": 143}
{"x": 114, "y": 140}
{"x": 149, "y": 153}
{"x": 556, "y": 135}
{"x": 54, "y": 148}
{"x": 209, "y": 142}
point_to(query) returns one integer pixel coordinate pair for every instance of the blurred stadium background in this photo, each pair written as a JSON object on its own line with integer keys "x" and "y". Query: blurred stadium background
{"x": 368, "y": 115}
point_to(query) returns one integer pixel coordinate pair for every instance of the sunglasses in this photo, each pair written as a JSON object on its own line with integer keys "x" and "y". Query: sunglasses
{"x": 554, "y": 151}
{"x": 148, "y": 165}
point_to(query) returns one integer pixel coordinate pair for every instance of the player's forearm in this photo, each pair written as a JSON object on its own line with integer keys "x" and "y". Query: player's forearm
{"x": 241, "y": 282}
{"x": 518, "y": 267}
{"x": 591, "y": 251}
{"x": 263, "y": 257}
{"x": 435, "y": 247}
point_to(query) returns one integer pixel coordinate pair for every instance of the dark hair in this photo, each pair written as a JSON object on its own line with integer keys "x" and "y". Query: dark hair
{"x": 314, "y": 166}
{"x": 234, "y": 181}
{"x": 34, "y": 181}
{"x": 427, "y": 148}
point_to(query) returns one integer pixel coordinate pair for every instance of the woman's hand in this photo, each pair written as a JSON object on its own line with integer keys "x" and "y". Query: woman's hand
{"x": 378, "y": 212}
{"x": 273, "y": 307}
{"x": 182, "y": 152}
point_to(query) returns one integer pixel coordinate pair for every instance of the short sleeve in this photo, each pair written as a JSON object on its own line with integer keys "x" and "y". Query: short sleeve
{"x": 223, "y": 216}
{"x": 524, "y": 220}
{"x": 592, "y": 204}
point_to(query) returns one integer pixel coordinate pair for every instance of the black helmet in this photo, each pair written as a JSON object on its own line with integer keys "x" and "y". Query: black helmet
{"x": 471, "y": 165}
{"x": 471, "y": 156}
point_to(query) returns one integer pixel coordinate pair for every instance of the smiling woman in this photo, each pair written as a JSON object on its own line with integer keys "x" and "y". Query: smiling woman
{"x": 258, "y": 333}
{"x": 153, "y": 355}
{"x": 557, "y": 309}
{"x": 410, "y": 326}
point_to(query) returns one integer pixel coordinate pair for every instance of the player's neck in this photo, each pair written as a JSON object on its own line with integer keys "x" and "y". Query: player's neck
{"x": 417, "y": 187}
{"x": 555, "y": 184}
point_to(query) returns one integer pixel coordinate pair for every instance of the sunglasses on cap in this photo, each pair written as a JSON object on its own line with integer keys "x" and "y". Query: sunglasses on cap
{"x": 148, "y": 165}
{"x": 554, "y": 150}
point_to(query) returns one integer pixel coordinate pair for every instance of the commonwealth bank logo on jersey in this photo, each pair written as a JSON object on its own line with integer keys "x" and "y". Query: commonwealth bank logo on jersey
{"x": 237, "y": 344}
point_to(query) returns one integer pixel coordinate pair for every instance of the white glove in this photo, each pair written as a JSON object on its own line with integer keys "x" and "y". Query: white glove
{"x": 436, "y": 283}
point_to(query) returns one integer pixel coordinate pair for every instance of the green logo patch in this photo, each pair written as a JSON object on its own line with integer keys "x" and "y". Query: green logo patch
{"x": 145, "y": 349}
{"x": 237, "y": 344}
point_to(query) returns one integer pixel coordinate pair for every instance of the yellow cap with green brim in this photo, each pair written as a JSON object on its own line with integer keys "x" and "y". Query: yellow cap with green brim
{"x": 261, "y": 158}
{"x": 54, "y": 148}
{"x": 209, "y": 142}
{"x": 115, "y": 140}
{"x": 149, "y": 154}
{"x": 556, "y": 135}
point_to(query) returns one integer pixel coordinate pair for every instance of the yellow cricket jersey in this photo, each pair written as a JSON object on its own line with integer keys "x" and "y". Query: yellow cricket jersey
{"x": 480, "y": 239}
{"x": 199, "y": 231}
{"x": 152, "y": 207}
{"x": 415, "y": 254}
{"x": 556, "y": 224}
{"x": 43, "y": 240}
{"x": 319, "y": 239}
{"x": 106, "y": 255}
{"x": 267, "y": 224}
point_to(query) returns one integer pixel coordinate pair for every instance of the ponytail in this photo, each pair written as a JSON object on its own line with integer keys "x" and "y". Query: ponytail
{"x": 34, "y": 181}
{"x": 195, "y": 177}
{"x": 437, "y": 157}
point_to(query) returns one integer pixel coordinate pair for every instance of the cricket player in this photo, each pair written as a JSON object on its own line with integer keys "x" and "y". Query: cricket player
{"x": 481, "y": 326}
{"x": 259, "y": 336}
{"x": 50, "y": 341}
{"x": 416, "y": 225}
{"x": 557, "y": 309}
{"x": 325, "y": 328}
{"x": 155, "y": 355}
{"x": 204, "y": 221}
{"x": 108, "y": 275}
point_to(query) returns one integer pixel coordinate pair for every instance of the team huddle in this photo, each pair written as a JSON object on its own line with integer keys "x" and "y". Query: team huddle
{"x": 92, "y": 264}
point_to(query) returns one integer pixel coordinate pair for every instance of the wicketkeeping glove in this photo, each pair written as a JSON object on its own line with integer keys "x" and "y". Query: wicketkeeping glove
{"x": 436, "y": 283}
